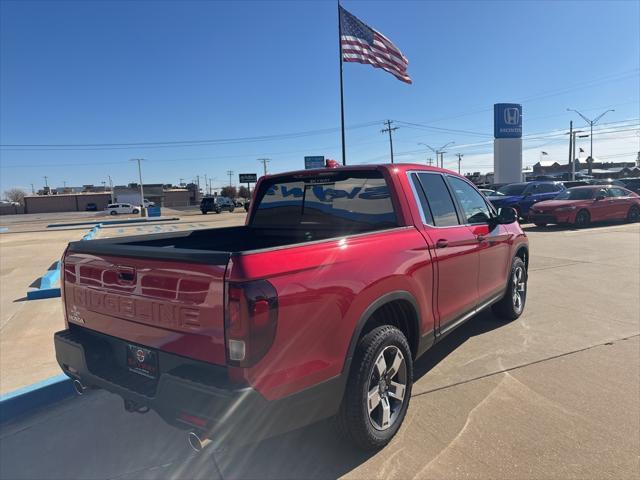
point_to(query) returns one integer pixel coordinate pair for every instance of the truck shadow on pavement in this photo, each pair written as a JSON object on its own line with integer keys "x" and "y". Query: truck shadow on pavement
{"x": 93, "y": 437}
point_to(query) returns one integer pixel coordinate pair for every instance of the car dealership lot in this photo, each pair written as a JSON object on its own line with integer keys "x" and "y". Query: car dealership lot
{"x": 553, "y": 394}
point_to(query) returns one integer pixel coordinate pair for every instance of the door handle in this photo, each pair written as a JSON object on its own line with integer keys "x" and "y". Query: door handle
{"x": 442, "y": 243}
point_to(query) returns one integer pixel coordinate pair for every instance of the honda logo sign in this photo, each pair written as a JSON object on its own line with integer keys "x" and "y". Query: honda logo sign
{"x": 507, "y": 120}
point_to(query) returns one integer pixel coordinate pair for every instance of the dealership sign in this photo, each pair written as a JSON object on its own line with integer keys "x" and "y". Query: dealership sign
{"x": 314, "y": 162}
{"x": 507, "y": 120}
{"x": 248, "y": 178}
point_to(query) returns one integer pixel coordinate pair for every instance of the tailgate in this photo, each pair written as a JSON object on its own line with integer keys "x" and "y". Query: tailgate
{"x": 176, "y": 307}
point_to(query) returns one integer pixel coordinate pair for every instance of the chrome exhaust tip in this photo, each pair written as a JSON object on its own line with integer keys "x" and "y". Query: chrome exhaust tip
{"x": 196, "y": 443}
{"x": 79, "y": 387}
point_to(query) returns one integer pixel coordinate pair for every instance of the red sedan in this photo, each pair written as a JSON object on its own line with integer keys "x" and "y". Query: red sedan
{"x": 583, "y": 205}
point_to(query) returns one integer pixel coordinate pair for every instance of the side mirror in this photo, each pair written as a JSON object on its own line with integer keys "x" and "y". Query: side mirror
{"x": 506, "y": 216}
{"x": 599, "y": 197}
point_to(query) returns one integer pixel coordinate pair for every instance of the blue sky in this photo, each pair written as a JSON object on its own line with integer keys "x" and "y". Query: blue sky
{"x": 128, "y": 72}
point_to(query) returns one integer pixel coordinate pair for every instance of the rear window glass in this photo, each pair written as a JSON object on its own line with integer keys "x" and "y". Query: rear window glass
{"x": 351, "y": 200}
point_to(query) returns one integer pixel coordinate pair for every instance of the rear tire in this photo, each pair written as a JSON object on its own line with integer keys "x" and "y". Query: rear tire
{"x": 204, "y": 212}
{"x": 634, "y": 214}
{"x": 135, "y": 211}
{"x": 583, "y": 219}
{"x": 378, "y": 389}
{"x": 113, "y": 212}
{"x": 512, "y": 304}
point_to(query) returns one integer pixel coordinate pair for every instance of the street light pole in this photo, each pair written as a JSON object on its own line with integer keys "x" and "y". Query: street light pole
{"x": 591, "y": 124}
{"x": 438, "y": 151}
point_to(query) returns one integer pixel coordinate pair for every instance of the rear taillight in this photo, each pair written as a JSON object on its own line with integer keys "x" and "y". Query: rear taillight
{"x": 250, "y": 321}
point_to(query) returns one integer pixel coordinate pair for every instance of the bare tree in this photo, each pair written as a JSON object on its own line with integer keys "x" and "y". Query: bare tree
{"x": 243, "y": 192}
{"x": 229, "y": 192}
{"x": 15, "y": 195}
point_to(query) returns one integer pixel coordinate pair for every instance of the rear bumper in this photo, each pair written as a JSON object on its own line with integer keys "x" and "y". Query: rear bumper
{"x": 192, "y": 395}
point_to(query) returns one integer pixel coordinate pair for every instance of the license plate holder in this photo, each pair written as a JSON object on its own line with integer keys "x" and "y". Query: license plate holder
{"x": 142, "y": 361}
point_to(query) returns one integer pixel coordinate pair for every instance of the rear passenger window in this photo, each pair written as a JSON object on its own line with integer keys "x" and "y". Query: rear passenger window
{"x": 422, "y": 200}
{"x": 617, "y": 192}
{"x": 439, "y": 200}
{"x": 473, "y": 205}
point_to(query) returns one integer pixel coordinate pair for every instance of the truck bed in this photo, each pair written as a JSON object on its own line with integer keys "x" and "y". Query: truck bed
{"x": 211, "y": 246}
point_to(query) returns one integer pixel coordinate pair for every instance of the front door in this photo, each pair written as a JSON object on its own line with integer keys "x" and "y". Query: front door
{"x": 494, "y": 260}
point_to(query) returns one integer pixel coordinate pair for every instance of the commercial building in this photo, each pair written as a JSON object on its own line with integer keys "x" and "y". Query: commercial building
{"x": 74, "y": 202}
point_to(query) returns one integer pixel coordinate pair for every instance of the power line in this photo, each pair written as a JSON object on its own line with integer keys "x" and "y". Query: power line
{"x": 181, "y": 143}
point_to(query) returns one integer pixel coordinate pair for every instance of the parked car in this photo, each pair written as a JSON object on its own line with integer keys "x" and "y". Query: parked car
{"x": 148, "y": 204}
{"x": 248, "y": 331}
{"x": 632, "y": 184}
{"x": 91, "y": 207}
{"x": 520, "y": 196}
{"x": 216, "y": 204}
{"x": 604, "y": 181}
{"x": 583, "y": 205}
{"x": 574, "y": 183}
{"x": 122, "y": 208}
{"x": 487, "y": 192}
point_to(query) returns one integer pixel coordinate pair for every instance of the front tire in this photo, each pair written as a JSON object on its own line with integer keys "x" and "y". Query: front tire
{"x": 512, "y": 304}
{"x": 634, "y": 214}
{"x": 113, "y": 212}
{"x": 378, "y": 389}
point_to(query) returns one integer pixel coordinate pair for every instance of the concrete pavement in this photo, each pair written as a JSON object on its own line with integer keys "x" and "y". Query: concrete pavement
{"x": 26, "y": 252}
{"x": 554, "y": 394}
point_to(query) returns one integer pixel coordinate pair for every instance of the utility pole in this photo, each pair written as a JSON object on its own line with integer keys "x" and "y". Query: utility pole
{"x": 111, "y": 189}
{"x": 206, "y": 185}
{"x": 591, "y": 123}
{"x": 210, "y": 187}
{"x": 459, "y": 161}
{"x": 230, "y": 173}
{"x": 33, "y": 190}
{"x": 389, "y": 129}
{"x": 142, "y": 210}
{"x": 430, "y": 161}
{"x": 198, "y": 183}
{"x": 45, "y": 181}
{"x": 264, "y": 163}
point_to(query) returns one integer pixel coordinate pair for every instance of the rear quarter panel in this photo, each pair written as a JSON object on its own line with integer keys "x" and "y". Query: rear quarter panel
{"x": 323, "y": 289}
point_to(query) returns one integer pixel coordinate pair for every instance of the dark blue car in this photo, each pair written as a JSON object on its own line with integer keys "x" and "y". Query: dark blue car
{"x": 522, "y": 195}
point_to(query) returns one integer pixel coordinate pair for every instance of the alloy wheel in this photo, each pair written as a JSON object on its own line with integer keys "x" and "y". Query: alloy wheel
{"x": 518, "y": 289}
{"x": 387, "y": 388}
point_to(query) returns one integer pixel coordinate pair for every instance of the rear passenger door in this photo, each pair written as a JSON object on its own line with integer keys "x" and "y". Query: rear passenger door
{"x": 619, "y": 202}
{"x": 453, "y": 246}
{"x": 493, "y": 239}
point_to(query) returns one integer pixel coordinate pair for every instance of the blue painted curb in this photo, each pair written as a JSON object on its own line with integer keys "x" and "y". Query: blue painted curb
{"x": 40, "y": 293}
{"x": 4, "y": 229}
{"x": 33, "y": 397}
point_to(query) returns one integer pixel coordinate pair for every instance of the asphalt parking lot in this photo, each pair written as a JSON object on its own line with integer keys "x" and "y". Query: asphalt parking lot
{"x": 554, "y": 394}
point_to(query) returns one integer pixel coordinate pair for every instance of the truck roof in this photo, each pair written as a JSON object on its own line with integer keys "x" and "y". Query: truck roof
{"x": 380, "y": 166}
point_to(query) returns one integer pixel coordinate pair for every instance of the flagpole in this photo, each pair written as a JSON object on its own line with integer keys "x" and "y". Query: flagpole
{"x": 344, "y": 156}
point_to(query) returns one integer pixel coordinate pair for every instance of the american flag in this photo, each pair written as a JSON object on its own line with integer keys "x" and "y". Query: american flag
{"x": 362, "y": 44}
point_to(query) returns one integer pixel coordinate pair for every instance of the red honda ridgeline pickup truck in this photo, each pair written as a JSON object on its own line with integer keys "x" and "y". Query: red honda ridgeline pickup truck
{"x": 316, "y": 308}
